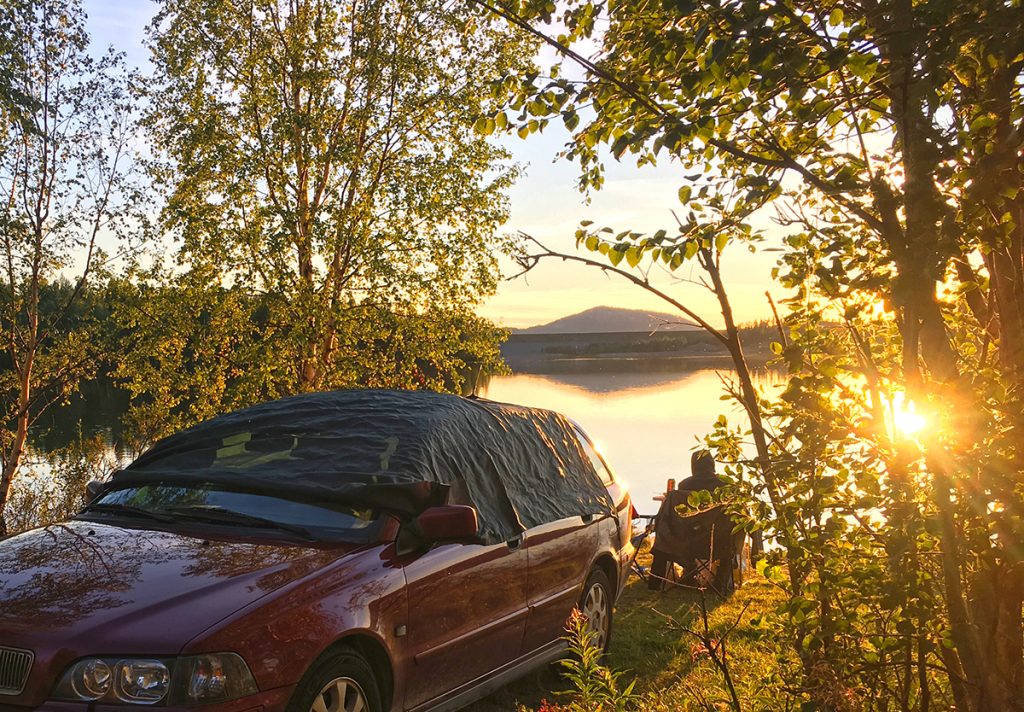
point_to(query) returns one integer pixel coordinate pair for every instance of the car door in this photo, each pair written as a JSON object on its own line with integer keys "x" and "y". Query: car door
{"x": 467, "y": 614}
{"x": 560, "y": 554}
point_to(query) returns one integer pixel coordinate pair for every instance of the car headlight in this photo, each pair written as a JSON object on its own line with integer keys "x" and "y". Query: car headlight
{"x": 193, "y": 680}
{"x": 139, "y": 682}
{"x": 90, "y": 679}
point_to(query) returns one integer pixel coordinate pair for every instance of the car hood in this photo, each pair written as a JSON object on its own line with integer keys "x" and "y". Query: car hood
{"x": 92, "y": 588}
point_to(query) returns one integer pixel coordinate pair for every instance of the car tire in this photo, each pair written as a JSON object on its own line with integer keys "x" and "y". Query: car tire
{"x": 340, "y": 681}
{"x": 596, "y": 604}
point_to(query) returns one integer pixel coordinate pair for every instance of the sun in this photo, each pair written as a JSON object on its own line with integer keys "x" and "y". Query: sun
{"x": 907, "y": 421}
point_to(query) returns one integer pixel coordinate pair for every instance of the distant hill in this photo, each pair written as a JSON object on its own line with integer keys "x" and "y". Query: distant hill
{"x": 609, "y": 320}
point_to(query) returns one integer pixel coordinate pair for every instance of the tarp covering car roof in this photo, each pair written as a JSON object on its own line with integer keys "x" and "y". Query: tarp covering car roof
{"x": 518, "y": 466}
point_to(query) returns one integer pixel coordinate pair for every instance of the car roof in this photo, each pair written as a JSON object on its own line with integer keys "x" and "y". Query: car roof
{"x": 521, "y": 466}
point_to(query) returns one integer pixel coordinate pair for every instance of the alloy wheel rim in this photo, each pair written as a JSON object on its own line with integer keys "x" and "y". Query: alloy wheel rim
{"x": 595, "y": 608}
{"x": 342, "y": 694}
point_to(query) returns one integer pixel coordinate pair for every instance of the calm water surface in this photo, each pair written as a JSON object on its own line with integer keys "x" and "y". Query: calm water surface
{"x": 646, "y": 424}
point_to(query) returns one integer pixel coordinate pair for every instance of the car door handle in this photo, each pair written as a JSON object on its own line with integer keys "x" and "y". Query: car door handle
{"x": 515, "y": 542}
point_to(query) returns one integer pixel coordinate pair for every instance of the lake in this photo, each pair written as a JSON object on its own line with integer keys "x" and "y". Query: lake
{"x": 645, "y": 423}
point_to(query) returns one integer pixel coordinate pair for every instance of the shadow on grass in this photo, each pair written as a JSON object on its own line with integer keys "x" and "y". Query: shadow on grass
{"x": 646, "y": 646}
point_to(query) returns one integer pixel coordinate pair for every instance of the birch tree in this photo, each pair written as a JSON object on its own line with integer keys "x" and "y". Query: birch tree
{"x": 66, "y": 187}
{"x": 320, "y": 158}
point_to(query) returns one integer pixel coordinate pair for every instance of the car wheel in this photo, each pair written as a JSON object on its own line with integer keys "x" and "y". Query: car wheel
{"x": 341, "y": 681}
{"x": 596, "y": 605}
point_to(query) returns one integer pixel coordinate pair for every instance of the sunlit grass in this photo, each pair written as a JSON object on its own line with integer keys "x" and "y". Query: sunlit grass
{"x": 667, "y": 663}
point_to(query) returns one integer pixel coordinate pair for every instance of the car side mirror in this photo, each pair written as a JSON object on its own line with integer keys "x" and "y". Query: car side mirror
{"x": 450, "y": 522}
{"x": 93, "y": 490}
{"x": 445, "y": 523}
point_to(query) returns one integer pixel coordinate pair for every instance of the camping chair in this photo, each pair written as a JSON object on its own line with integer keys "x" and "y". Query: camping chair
{"x": 637, "y": 541}
{"x": 702, "y": 543}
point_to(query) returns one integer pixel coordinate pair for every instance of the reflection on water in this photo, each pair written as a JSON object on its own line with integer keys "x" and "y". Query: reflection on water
{"x": 646, "y": 424}
{"x": 96, "y": 410}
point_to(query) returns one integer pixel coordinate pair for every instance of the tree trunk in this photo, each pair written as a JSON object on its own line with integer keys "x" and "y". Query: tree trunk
{"x": 996, "y": 597}
{"x": 12, "y": 458}
{"x": 747, "y": 391}
{"x": 929, "y": 359}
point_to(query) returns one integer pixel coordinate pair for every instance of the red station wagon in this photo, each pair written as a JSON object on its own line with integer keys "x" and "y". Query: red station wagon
{"x": 334, "y": 552}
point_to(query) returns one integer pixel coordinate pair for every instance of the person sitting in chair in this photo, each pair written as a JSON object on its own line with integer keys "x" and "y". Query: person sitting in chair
{"x": 702, "y": 465}
{"x": 701, "y": 542}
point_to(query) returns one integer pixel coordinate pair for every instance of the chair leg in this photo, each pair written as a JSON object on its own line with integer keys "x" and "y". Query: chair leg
{"x": 659, "y": 572}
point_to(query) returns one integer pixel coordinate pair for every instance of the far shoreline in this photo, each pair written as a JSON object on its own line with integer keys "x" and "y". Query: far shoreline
{"x": 637, "y": 363}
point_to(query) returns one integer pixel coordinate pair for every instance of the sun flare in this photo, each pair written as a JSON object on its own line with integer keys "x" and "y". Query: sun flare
{"x": 907, "y": 421}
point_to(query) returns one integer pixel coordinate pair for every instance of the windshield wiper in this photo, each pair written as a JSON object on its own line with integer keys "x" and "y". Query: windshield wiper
{"x": 219, "y": 515}
{"x": 127, "y": 509}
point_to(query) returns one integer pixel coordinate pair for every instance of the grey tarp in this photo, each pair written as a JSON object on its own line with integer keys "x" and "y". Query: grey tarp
{"x": 518, "y": 466}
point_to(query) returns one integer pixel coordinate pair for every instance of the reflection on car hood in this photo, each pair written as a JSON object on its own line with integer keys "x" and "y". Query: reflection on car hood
{"x": 97, "y": 588}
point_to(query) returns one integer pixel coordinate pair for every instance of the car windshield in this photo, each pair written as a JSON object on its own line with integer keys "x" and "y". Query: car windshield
{"x": 211, "y": 503}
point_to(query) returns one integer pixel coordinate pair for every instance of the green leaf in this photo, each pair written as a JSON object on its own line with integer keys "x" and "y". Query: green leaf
{"x": 484, "y": 126}
{"x": 591, "y": 242}
{"x": 983, "y": 121}
{"x": 615, "y": 256}
{"x": 633, "y": 255}
{"x": 620, "y": 145}
{"x": 681, "y": 7}
{"x": 684, "y": 194}
{"x": 863, "y": 66}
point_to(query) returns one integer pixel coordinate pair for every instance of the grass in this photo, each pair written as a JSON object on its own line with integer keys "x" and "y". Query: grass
{"x": 672, "y": 670}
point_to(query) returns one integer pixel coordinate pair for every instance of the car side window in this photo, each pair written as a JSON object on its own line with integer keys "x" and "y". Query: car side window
{"x": 607, "y": 478}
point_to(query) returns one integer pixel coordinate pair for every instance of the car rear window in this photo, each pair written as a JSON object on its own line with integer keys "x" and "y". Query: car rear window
{"x": 603, "y": 471}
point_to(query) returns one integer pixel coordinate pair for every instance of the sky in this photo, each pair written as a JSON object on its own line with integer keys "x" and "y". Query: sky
{"x": 546, "y": 204}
